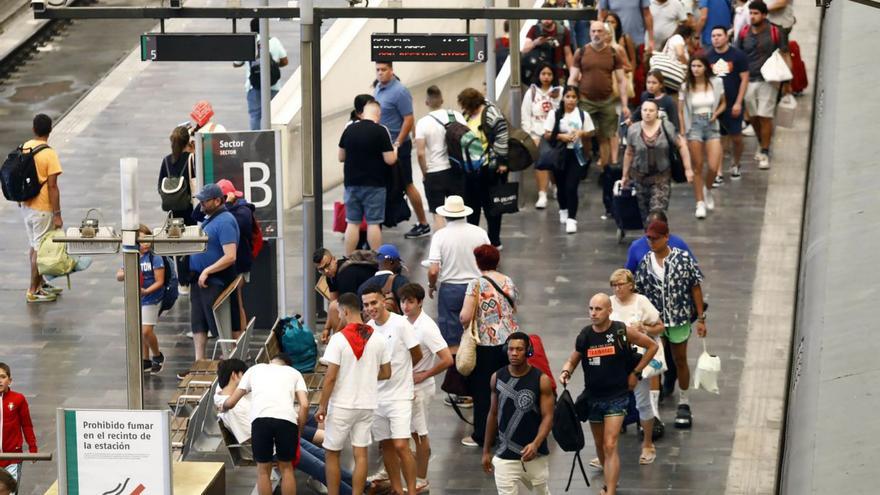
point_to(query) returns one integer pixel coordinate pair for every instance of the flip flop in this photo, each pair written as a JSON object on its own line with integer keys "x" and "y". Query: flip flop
{"x": 648, "y": 456}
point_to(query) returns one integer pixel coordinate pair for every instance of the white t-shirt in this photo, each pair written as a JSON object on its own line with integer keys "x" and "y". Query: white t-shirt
{"x": 277, "y": 52}
{"x": 430, "y": 342}
{"x": 273, "y": 390}
{"x": 400, "y": 337}
{"x": 667, "y": 16}
{"x": 672, "y": 45}
{"x": 434, "y": 134}
{"x": 237, "y": 420}
{"x": 453, "y": 247}
{"x": 639, "y": 309}
{"x": 358, "y": 379}
{"x": 571, "y": 121}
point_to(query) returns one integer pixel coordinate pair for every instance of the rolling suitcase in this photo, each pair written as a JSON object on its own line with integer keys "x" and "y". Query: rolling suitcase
{"x": 625, "y": 208}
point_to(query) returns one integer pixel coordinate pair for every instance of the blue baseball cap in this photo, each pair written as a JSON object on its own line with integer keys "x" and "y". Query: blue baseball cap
{"x": 387, "y": 252}
{"x": 210, "y": 191}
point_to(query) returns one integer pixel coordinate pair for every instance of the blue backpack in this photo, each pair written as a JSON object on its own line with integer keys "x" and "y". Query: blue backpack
{"x": 169, "y": 291}
{"x": 298, "y": 342}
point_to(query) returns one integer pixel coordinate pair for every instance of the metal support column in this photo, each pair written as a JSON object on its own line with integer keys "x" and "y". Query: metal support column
{"x": 132, "y": 287}
{"x": 310, "y": 154}
{"x": 491, "y": 70}
{"x": 515, "y": 58}
{"x": 265, "y": 74}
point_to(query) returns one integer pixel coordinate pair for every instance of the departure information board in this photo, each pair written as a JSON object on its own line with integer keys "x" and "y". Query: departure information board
{"x": 420, "y": 47}
{"x": 198, "y": 47}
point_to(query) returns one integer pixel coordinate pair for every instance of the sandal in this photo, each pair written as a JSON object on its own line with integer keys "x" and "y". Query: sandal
{"x": 604, "y": 490}
{"x": 648, "y": 456}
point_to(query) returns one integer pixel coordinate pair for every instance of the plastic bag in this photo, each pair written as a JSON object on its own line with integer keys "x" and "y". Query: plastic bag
{"x": 657, "y": 365}
{"x": 775, "y": 69}
{"x": 708, "y": 371}
{"x": 785, "y": 111}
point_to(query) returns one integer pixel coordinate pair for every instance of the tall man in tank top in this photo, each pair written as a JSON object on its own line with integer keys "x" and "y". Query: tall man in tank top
{"x": 521, "y": 415}
{"x": 604, "y": 349}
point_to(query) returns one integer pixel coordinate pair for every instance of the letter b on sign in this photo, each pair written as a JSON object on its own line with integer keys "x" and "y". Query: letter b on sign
{"x": 256, "y": 176}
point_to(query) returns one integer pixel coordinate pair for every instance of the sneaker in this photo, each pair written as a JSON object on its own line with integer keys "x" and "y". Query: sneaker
{"x": 189, "y": 334}
{"x": 40, "y": 297}
{"x": 719, "y": 180}
{"x": 418, "y": 230}
{"x": 571, "y": 226}
{"x": 50, "y": 289}
{"x": 542, "y": 200}
{"x": 683, "y": 418}
{"x": 183, "y": 374}
{"x": 701, "y": 210}
{"x": 551, "y": 191}
{"x": 378, "y": 476}
{"x": 469, "y": 442}
{"x": 316, "y": 486}
{"x": 709, "y": 198}
{"x": 748, "y": 131}
{"x": 183, "y": 290}
{"x": 158, "y": 363}
{"x": 563, "y": 216}
{"x": 499, "y": 247}
{"x": 763, "y": 161}
{"x": 461, "y": 401}
{"x": 147, "y": 366}
{"x": 735, "y": 172}
{"x": 595, "y": 464}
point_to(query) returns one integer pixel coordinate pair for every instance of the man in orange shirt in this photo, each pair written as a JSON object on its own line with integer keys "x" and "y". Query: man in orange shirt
{"x": 42, "y": 213}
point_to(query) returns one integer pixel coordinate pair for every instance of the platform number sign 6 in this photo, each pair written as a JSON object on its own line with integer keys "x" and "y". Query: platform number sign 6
{"x": 481, "y": 56}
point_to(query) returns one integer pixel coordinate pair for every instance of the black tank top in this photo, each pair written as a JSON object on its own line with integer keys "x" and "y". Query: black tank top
{"x": 519, "y": 412}
{"x": 604, "y": 361}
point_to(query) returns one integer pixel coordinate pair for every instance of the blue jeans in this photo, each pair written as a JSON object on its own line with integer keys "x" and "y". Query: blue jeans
{"x": 255, "y": 110}
{"x": 312, "y": 462}
{"x": 450, "y": 299}
{"x": 702, "y": 129}
{"x": 580, "y": 34}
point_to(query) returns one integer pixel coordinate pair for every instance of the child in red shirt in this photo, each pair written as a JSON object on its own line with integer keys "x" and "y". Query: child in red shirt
{"x": 15, "y": 422}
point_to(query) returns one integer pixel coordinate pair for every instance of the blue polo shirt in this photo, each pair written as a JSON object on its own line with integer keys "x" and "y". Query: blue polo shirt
{"x": 640, "y": 247}
{"x": 396, "y": 103}
{"x": 631, "y": 20}
{"x": 221, "y": 229}
{"x": 718, "y": 14}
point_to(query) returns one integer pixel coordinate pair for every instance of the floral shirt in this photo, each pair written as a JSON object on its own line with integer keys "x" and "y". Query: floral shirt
{"x": 495, "y": 316}
{"x": 672, "y": 294}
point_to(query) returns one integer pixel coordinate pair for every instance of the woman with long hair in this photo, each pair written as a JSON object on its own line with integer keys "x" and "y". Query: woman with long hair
{"x": 569, "y": 125}
{"x": 622, "y": 39}
{"x": 646, "y": 161}
{"x": 701, "y": 102}
{"x": 180, "y": 163}
{"x": 539, "y": 101}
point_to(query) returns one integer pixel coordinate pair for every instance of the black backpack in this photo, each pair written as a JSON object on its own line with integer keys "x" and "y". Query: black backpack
{"x": 274, "y": 72}
{"x": 18, "y": 176}
{"x": 568, "y": 433}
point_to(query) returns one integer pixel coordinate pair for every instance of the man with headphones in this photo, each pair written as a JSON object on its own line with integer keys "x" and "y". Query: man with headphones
{"x": 521, "y": 415}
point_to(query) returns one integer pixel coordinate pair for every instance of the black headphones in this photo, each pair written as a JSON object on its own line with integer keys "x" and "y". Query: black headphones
{"x": 530, "y": 349}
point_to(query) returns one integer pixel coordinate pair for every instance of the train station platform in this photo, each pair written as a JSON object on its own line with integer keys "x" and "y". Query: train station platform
{"x": 70, "y": 353}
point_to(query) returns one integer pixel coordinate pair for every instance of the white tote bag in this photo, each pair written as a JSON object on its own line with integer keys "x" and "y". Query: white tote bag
{"x": 775, "y": 69}
{"x": 708, "y": 371}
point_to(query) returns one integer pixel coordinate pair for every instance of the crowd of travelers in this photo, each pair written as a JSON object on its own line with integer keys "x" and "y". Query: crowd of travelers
{"x": 648, "y": 78}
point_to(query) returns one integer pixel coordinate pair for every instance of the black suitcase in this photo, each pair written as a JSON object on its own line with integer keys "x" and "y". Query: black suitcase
{"x": 625, "y": 208}
{"x": 608, "y": 177}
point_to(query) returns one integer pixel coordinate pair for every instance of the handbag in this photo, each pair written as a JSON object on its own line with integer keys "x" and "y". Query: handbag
{"x": 676, "y": 164}
{"x": 674, "y": 72}
{"x": 174, "y": 190}
{"x": 504, "y": 198}
{"x": 657, "y": 365}
{"x": 549, "y": 154}
{"x": 466, "y": 358}
{"x": 775, "y": 69}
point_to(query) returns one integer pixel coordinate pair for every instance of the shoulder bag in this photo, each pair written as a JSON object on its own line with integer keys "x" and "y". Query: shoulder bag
{"x": 676, "y": 164}
{"x": 466, "y": 358}
{"x": 175, "y": 191}
{"x": 674, "y": 72}
{"x": 550, "y": 150}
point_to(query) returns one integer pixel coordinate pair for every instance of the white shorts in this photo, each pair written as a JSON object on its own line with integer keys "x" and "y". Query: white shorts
{"x": 761, "y": 98}
{"x": 533, "y": 474}
{"x": 150, "y": 314}
{"x": 342, "y": 424}
{"x": 419, "y": 423}
{"x": 36, "y": 223}
{"x": 393, "y": 420}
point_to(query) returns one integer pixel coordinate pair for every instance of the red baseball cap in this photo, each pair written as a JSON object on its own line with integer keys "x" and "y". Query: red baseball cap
{"x": 227, "y": 187}
{"x": 201, "y": 113}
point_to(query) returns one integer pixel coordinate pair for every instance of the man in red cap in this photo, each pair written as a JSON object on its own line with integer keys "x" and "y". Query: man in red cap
{"x": 201, "y": 115}
{"x": 670, "y": 278}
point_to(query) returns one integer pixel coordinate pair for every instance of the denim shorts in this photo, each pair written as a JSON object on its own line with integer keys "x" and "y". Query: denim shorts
{"x": 702, "y": 129}
{"x": 603, "y": 408}
{"x": 364, "y": 202}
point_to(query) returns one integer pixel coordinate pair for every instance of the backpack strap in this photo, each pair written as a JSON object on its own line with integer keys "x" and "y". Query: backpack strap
{"x": 38, "y": 148}
{"x": 577, "y": 458}
{"x": 745, "y": 31}
{"x": 774, "y": 33}
{"x": 387, "y": 287}
{"x": 458, "y": 410}
{"x": 438, "y": 120}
